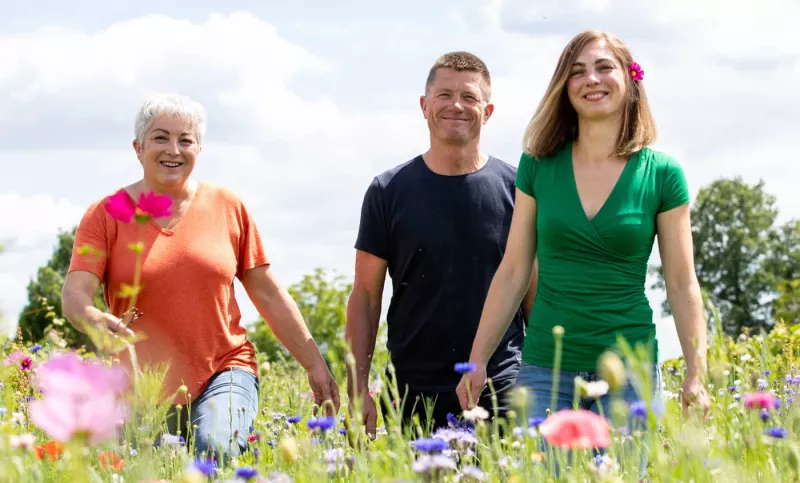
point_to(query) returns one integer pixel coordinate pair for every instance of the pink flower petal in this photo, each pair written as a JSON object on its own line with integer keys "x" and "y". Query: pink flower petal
{"x": 155, "y": 205}
{"x": 120, "y": 207}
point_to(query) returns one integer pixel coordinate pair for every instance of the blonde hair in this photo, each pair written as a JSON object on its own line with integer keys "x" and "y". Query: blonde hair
{"x": 555, "y": 122}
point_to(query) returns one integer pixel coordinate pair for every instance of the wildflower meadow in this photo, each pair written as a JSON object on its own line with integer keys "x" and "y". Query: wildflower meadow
{"x": 74, "y": 415}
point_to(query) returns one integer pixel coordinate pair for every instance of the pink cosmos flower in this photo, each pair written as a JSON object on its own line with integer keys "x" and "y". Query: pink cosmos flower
{"x": 151, "y": 205}
{"x": 761, "y": 400}
{"x": 79, "y": 398}
{"x": 576, "y": 429}
{"x": 120, "y": 207}
{"x": 636, "y": 71}
{"x": 15, "y": 358}
{"x": 68, "y": 373}
{"x": 157, "y": 206}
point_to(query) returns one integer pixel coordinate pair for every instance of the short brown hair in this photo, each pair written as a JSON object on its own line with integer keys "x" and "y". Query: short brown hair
{"x": 555, "y": 122}
{"x": 461, "y": 61}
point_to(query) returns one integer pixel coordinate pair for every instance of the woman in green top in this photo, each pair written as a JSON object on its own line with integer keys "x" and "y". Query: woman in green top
{"x": 591, "y": 196}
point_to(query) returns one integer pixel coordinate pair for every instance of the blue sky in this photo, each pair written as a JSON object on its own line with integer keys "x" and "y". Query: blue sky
{"x": 308, "y": 100}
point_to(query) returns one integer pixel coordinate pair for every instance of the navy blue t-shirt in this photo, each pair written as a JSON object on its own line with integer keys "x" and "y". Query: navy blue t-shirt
{"x": 443, "y": 238}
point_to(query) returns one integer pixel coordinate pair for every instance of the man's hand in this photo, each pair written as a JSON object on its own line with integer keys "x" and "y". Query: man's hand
{"x": 470, "y": 387}
{"x": 693, "y": 392}
{"x": 324, "y": 387}
{"x": 369, "y": 413}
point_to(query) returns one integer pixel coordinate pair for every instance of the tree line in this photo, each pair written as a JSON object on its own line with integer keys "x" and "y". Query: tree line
{"x": 748, "y": 266}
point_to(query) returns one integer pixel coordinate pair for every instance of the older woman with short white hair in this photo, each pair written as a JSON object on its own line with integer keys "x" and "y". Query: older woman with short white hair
{"x": 186, "y": 305}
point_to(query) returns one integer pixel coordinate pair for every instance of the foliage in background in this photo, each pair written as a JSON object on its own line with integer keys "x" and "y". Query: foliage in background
{"x": 322, "y": 300}
{"x": 43, "y": 310}
{"x": 746, "y": 263}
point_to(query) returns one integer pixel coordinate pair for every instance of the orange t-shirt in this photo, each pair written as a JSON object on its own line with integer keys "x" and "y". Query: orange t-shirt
{"x": 190, "y": 316}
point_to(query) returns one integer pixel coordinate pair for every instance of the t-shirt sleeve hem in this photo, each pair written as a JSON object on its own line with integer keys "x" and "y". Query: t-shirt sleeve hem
{"x": 372, "y": 251}
{"x": 672, "y": 206}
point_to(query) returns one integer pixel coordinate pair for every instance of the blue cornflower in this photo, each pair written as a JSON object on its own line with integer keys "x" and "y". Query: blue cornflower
{"x": 453, "y": 422}
{"x": 204, "y": 467}
{"x": 776, "y": 432}
{"x": 639, "y": 409}
{"x": 246, "y": 473}
{"x": 343, "y": 431}
{"x": 535, "y": 422}
{"x": 323, "y": 424}
{"x": 465, "y": 367}
{"x": 433, "y": 445}
{"x": 732, "y": 388}
{"x": 35, "y": 348}
{"x": 764, "y": 414}
{"x": 294, "y": 419}
{"x": 252, "y": 428}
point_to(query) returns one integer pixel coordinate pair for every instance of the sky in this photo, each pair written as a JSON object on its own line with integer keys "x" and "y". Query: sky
{"x": 307, "y": 101}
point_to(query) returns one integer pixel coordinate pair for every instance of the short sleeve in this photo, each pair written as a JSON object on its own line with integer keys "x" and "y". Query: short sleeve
{"x": 91, "y": 246}
{"x": 526, "y": 174}
{"x": 674, "y": 187}
{"x": 373, "y": 227}
{"x": 251, "y": 248}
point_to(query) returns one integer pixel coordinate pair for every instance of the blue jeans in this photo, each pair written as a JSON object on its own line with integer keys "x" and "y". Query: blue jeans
{"x": 223, "y": 414}
{"x": 539, "y": 380}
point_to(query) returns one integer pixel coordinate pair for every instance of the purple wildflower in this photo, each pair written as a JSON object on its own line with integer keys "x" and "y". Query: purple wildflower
{"x": 776, "y": 432}
{"x": 764, "y": 414}
{"x": 465, "y": 367}
{"x": 535, "y": 422}
{"x": 432, "y": 445}
{"x": 246, "y": 473}
{"x": 294, "y": 419}
{"x": 323, "y": 424}
{"x": 26, "y": 364}
{"x": 35, "y": 348}
{"x": 204, "y": 467}
{"x": 639, "y": 409}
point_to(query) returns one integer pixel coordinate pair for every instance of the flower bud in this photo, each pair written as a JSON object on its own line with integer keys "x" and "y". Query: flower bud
{"x": 288, "y": 449}
{"x": 611, "y": 369}
{"x": 558, "y": 331}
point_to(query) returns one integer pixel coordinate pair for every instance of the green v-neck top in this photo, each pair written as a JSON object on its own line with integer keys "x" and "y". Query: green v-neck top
{"x": 592, "y": 273}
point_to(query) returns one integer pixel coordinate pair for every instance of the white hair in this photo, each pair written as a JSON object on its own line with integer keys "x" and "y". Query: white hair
{"x": 171, "y": 105}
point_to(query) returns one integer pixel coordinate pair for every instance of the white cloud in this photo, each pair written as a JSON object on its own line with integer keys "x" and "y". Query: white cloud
{"x": 299, "y": 135}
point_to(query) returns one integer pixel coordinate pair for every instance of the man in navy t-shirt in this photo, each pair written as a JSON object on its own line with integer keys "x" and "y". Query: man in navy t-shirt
{"x": 438, "y": 223}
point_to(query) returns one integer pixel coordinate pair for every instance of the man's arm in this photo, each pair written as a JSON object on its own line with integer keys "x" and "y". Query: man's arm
{"x": 363, "y": 318}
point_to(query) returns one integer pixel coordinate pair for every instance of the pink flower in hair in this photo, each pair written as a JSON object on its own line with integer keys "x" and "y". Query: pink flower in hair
{"x": 636, "y": 71}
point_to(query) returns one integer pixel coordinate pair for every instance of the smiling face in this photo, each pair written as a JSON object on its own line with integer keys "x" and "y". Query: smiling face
{"x": 455, "y": 106}
{"x": 596, "y": 85}
{"x": 168, "y": 152}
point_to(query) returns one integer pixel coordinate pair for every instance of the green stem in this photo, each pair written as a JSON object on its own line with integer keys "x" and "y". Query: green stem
{"x": 556, "y": 368}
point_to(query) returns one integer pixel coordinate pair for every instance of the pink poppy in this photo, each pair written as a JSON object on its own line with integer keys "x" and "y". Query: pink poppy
{"x": 761, "y": 400}
{"x": 579, "y": 429}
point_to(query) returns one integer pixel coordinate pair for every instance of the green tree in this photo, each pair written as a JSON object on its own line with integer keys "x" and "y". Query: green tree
{"x": 43, "y": 310}
{"x": 322, "y": 300}
{"x": 741, "y": 257}
{"x": 785, "y": 265}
